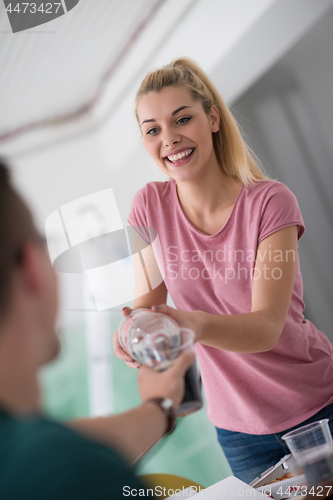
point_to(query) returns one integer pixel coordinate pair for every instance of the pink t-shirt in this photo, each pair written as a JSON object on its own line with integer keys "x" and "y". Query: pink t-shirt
{"x": 255, "y": 393}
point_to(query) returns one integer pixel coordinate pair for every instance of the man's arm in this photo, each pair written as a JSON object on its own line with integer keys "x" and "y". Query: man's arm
{"x": 134, "y": 432}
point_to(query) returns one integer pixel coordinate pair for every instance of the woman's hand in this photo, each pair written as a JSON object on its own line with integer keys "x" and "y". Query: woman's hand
{"x": 118, "y": 350}
{"x": 186, "y": 319}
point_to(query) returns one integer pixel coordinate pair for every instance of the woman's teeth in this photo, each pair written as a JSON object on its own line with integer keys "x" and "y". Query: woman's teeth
{"x": 179, "y": 156}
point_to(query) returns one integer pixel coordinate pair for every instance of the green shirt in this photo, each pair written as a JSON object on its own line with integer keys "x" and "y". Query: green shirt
{"x": 43, "y": 460}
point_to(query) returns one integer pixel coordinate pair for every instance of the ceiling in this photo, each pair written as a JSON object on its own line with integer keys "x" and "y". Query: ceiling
{"x": 93, "y": 57}
{"x": 54, "y": 68}
{"x": 57, "y": 67}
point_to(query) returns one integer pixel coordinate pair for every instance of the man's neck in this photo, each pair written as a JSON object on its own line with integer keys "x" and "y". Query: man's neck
{"x": 19, "y": 388}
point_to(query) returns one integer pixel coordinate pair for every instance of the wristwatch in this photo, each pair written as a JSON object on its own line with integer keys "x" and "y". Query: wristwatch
{"x": 166, "y": 404}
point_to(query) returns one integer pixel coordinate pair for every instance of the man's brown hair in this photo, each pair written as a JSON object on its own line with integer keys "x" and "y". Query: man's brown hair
{"x": 16, "y": 225}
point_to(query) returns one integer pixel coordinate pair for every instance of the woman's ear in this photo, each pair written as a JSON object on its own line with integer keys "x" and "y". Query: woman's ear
{"x": 215, "y": 119}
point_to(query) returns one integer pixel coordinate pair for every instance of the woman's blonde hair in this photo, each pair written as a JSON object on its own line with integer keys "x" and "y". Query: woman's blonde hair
{"x": 233, "y": 154}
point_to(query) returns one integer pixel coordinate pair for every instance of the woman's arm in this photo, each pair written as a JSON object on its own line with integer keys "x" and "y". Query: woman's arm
{"x": 156, "y": 295}
{"x": 260, "y": 329}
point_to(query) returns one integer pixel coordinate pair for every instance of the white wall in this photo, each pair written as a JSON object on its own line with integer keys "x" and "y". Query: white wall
{"x": 288, "y": 117}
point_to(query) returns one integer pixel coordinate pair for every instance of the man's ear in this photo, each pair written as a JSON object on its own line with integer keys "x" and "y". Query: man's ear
{"x": 215, "y": 119}
{"x": 31, "y": 267}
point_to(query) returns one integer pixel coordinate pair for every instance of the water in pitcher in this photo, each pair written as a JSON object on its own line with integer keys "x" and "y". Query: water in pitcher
{"x": 156, "y": 340}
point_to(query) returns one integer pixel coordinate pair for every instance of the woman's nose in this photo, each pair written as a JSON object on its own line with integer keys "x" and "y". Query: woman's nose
{"x": 170, "y": 139}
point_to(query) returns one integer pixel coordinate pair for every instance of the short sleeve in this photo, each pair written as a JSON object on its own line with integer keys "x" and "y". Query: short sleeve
{"x": 138, "y": 216}
{"x": 279, "y": 210}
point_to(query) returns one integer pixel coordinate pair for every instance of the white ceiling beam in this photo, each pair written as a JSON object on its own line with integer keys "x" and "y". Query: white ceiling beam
{"x": 276, "y": 31}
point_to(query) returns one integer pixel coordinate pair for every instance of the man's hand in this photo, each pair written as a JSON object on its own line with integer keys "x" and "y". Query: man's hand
{"x": 167, "y": 384}
{"x": 134, "y": 432}
{"x": 118, "y": 350}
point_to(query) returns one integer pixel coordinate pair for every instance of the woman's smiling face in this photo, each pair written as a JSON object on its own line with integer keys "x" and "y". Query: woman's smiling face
{"x": 177, "y": 133}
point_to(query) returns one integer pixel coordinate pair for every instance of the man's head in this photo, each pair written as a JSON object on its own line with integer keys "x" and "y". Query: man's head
{"x": 28, "y": 292}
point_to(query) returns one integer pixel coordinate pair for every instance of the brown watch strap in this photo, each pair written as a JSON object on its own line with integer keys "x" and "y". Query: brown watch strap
{"x": 166, "y": 405}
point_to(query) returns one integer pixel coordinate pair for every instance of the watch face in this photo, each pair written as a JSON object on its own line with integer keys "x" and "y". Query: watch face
{"x": 167, "y": 403}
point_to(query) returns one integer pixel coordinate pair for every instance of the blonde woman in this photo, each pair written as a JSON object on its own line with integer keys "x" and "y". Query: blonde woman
{"x": 229, "y": 240}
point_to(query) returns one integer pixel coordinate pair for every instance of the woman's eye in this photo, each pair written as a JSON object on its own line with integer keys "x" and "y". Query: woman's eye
{"x": 184, "y": 119}
{"x": 152, "y": 131}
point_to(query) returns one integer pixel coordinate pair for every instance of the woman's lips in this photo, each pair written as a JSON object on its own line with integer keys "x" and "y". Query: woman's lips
{"x": 174, "y": 159}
